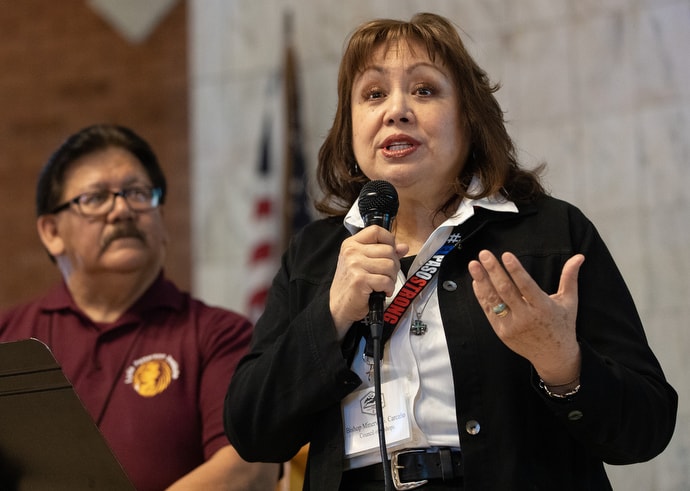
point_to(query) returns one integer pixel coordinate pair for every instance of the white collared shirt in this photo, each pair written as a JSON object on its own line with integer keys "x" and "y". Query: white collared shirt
{"x": 422, "y": 362}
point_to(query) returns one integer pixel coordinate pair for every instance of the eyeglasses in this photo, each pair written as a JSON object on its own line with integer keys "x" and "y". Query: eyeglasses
{"x": 99, "y": 203}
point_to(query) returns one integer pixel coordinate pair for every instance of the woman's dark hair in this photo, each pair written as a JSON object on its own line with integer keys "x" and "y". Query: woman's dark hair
{"x": 492, "y": 155}
{"x": 87, "y": 141}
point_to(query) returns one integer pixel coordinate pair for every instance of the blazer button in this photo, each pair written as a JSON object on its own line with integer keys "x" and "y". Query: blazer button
{"x": 450, "y": 286}
{"x": 575, "y": 415}
{"x": 472, "y": 427}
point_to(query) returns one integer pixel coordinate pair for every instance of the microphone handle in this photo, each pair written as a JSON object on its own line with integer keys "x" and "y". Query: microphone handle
{"x": 376, "y": 302}
{"x": 377, "y": 299}
{"x": 377, "y": 218}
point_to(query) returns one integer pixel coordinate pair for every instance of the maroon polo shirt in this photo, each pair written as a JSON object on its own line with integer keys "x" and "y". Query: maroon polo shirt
{"x": 154, "y": 381}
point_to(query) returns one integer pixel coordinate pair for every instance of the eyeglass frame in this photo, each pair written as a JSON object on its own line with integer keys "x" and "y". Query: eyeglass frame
{"x": 155, "y": 202}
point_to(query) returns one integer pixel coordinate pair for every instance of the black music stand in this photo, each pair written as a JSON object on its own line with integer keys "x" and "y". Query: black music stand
{"x": 48, "y": 441}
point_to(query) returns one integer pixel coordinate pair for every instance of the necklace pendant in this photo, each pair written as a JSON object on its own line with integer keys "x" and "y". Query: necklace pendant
{"x": 418, "y": 328}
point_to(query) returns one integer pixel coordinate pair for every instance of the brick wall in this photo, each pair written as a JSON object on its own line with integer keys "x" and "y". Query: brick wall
{"x": 63, "y": 68}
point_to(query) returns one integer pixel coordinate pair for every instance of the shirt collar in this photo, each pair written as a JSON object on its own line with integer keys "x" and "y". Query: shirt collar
{"x": 353, "y": 220}
{"x": 161, "y": 294}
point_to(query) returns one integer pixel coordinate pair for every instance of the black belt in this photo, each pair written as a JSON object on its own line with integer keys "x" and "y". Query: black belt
{"x": 416, "y": 466}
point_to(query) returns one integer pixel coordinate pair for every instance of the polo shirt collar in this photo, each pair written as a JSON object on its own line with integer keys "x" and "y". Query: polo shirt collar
{"x": 161, "y": 294}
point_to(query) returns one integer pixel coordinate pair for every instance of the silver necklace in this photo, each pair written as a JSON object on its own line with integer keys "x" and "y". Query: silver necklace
{"x": 419, "y": 327}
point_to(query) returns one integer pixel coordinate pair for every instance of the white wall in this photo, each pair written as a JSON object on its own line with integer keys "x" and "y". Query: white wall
{"x": 600, "y": 89}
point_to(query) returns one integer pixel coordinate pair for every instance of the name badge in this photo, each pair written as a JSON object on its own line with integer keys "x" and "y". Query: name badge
{"x": 359, "y": 417}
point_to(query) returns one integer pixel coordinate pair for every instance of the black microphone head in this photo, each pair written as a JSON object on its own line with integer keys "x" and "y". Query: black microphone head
{"x": 378, "y": 203}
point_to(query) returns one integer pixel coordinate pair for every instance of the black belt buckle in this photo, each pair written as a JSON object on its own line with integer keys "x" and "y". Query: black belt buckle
{"x": 395, "y": 471}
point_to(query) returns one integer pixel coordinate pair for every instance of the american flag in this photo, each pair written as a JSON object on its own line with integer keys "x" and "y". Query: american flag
{"x": 281, "y": 205}
{"x": 266, "y": 239}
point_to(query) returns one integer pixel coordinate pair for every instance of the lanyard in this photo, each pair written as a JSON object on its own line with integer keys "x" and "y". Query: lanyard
{"x": 414, "y": 285}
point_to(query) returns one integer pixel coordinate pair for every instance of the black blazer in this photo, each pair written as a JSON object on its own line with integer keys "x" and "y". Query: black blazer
{"x": 287, "y": 390}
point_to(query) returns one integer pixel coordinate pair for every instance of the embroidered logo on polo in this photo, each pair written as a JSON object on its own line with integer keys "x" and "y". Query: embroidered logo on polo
{"x": 152, "y": 374}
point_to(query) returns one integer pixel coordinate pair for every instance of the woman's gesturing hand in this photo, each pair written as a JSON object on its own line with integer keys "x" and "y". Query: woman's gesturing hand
{"x": 535, "y": 325}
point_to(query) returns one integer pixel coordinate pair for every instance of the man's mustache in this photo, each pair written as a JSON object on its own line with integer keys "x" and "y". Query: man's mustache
{"x": 122, "y": 232}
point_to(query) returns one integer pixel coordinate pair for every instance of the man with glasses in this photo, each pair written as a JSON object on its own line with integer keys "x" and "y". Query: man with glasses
{"x": 150, "y": 363}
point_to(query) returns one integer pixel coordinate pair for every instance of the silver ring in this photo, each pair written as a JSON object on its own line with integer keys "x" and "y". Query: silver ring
{"x": 501, "y": 310}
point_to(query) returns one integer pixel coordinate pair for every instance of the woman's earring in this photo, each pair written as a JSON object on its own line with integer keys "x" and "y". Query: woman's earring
{"x": 355, "y": 170}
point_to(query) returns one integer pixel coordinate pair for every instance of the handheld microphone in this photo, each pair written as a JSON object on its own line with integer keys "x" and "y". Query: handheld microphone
{"x": 378, "y": 205}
